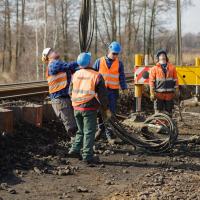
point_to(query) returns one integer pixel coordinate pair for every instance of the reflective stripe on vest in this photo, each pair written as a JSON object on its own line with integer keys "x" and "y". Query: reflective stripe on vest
{"x": 110, "y": 75}
{"x": 111, "y": 83}
{"x": 162, "y": 83}
{"x": 83, "y": 91}
{"x": 84, "y": 82}
{"x": 56, "y": 82}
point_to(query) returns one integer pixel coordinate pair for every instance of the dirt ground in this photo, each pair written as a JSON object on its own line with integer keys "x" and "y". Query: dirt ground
{"x": 34, "y": 166}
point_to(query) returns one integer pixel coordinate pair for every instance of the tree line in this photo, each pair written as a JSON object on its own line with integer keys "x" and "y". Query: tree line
{"x": 27, "y": 26}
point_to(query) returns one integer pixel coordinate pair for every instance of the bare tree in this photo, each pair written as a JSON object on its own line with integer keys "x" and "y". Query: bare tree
{"x": 151, "y": 24}
{"x": 55, "y": 34}
{"x": 45, "y": 24}
{"x": 7, "y": 43}
{"x": 17, "y": 35}
{"x": 22, "y": 38}
{"x": 36, "y": 43}
{"x": 64, "y": 23}
{"x": 119, "y": 20}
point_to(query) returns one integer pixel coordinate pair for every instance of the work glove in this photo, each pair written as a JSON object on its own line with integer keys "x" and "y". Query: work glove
{"x": 125, "y": 92}
{"x": 177, "y": 93}
{"x": 152, "y": 94}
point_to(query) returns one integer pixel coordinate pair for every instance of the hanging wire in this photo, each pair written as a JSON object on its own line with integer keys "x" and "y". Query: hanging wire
{"x": 86, "y": 24}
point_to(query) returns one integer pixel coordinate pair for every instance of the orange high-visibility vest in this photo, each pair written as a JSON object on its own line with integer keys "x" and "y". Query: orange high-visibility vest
{"x": 164, "y": 85}
{"x": 84, "y": 82}
{"x": 110, "y": 75}
{"x": 56, "y": 82}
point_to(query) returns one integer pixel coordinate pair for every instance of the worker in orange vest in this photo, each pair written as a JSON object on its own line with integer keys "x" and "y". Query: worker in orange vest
{"x": 112, "y": 70}
{"x": 163, "y": 83}
{"x": 88, "y": 93}
{"x": 58, "y": 75}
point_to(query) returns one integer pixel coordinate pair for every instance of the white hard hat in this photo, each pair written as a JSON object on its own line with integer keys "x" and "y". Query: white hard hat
{"x": 46, "y": 51}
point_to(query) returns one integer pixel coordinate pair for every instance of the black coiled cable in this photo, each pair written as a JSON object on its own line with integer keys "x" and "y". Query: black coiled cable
{"x": 147, "y": 140}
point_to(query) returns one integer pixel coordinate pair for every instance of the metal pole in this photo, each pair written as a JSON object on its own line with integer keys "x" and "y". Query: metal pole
{"x": 144, "y": 33}
{"x": 178, "y": 34}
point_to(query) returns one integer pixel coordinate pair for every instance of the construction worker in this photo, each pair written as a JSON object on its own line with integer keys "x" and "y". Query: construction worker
{"x": 112, "y": 70}
{"x": 163, "y": 83}
{"x": 88, "y": 93}
{"x": 58, "y": 74}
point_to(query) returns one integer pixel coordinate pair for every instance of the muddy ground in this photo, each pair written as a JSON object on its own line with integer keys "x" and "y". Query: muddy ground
{"x": 34, "y": 166}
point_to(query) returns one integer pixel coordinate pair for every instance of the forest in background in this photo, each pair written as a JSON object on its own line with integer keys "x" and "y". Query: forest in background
{"x": 141, "y": 26}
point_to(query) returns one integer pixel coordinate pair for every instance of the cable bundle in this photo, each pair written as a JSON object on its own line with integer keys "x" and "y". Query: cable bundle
{"x": 150, "y": 141}
{"x": 86, "y": 25}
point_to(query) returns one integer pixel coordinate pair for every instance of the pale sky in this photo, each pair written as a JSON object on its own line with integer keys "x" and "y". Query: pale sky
{"x": 191, "y": 18}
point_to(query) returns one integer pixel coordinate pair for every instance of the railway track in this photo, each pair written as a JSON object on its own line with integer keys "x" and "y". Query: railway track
{"x": 34, "y": 88}
{"x": 25, "y": 89}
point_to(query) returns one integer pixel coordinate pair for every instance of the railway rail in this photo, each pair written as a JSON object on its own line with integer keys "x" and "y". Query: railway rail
{"x": 33, "y": 88}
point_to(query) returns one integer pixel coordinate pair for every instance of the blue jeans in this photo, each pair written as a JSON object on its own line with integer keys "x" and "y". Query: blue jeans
{"x": 113, "y": 95}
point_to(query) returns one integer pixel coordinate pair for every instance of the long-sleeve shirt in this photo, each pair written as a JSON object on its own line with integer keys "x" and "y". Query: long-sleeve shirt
{"x": 94, "y": 104}
{"x": 163, "y": 80}
{"x": 122, "y": 78}
{"x": 57, "y": 66}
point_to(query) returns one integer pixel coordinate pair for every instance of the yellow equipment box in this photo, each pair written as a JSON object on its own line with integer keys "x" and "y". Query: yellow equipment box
{"x": 188, "y": 75}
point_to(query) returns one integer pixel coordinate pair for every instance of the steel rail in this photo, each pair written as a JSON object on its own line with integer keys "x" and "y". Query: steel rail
{"x": 33, "y": 88}
{"x": 17, "y": 90}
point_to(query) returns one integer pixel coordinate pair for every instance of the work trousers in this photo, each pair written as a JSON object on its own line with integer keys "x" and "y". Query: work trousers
{"x": 64, "y": 110}
{"x": 164, "y": 106}
{"x": 85, "y": 136}
{"x": 113, "y": 95}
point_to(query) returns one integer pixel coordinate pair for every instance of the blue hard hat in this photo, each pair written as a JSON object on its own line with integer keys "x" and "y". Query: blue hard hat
{"x": 84, "y": 59}
{"x": 115, "y": 47}
{"x": 160, "y": 51}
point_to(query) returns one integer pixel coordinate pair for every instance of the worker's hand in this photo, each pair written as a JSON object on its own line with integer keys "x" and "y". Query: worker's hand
{"x": 45, "y": 59}
{"x": 107, "y": 114}
{"x": 125, "y": 92}
{"x": 152, "y": 97}
{"x": 177, "y": 93}
{"x": 152, "y": 94}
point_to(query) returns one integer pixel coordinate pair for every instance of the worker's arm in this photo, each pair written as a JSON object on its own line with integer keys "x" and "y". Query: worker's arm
{"x": 152, "y": 78}
{"x": 72, "y": 66}
{"x": 96, "y": 65}
{"x": 122, "y": 78}
{"x": 102, "y": 92}
{"x": 70, "y": 89}
{"x": 59, "y": 66}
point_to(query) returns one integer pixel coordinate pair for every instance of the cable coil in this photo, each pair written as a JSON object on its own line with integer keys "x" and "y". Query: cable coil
{"x": 152, "y": 142}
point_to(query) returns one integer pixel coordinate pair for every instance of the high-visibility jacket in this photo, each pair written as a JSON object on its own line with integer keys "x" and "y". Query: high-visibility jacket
{"x": 164, "y": 84}
{"x": 110, "y": 75}
{"x": 56, "y": 82}
{"x": 84, "y": 82}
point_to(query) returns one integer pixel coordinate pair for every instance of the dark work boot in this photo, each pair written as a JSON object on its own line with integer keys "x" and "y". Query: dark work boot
{"x": 73, "y": 154}
{"x": 91, "y": 162}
